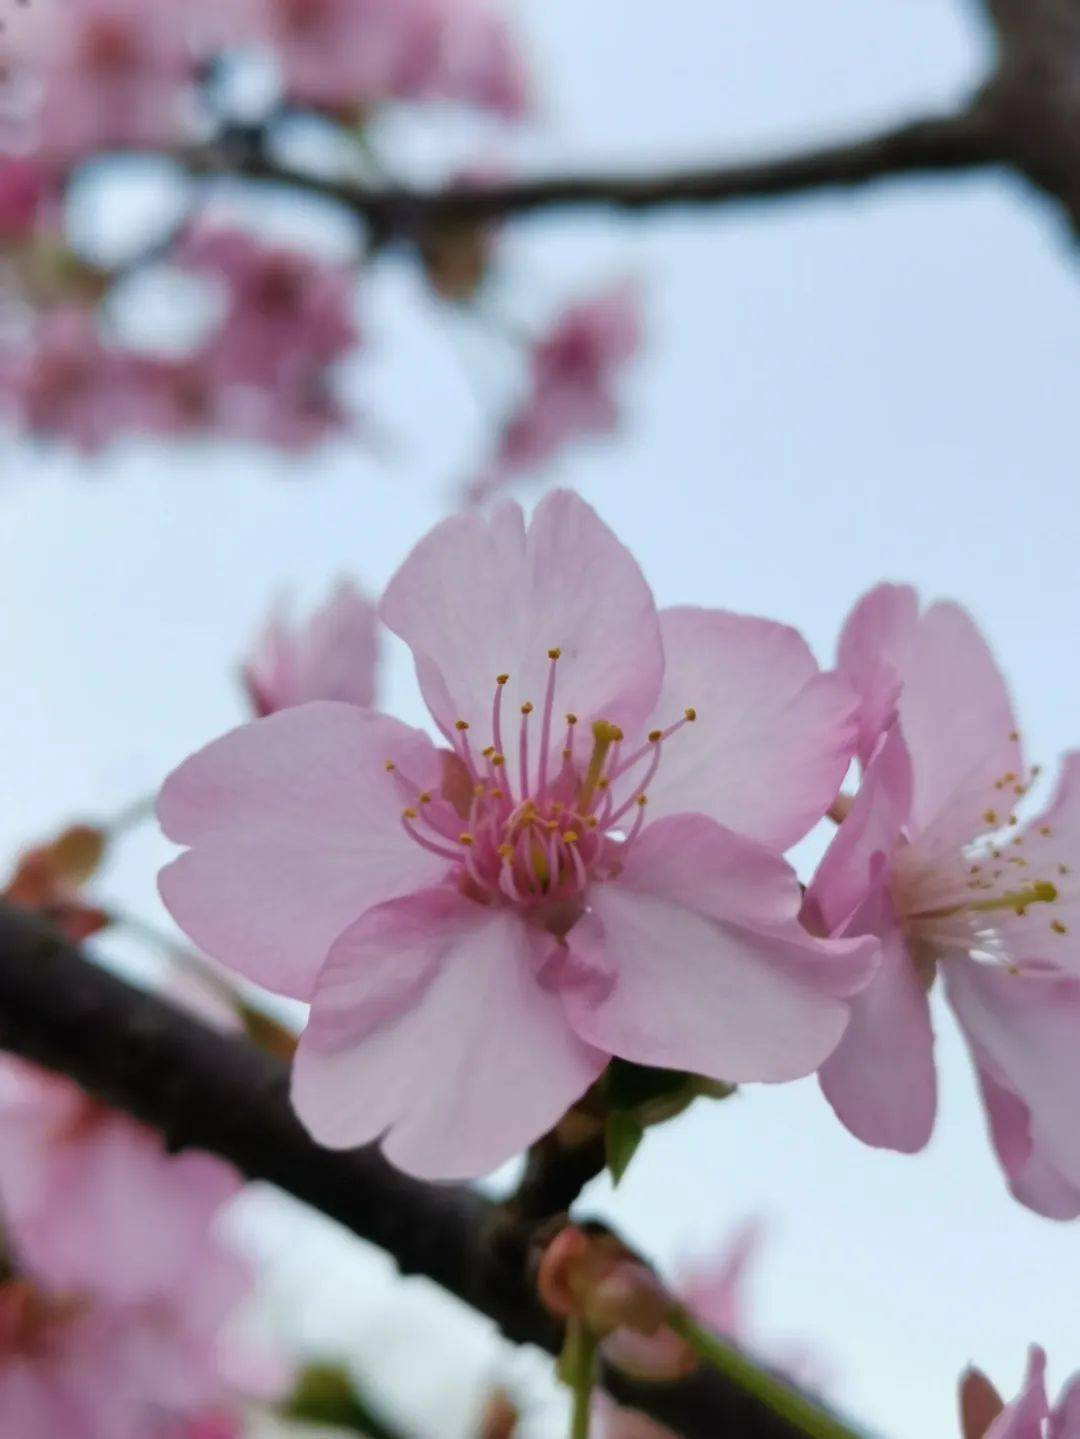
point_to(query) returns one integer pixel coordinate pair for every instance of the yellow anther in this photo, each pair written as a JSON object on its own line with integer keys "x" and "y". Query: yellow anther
{"x": 642, "y": 800}
{"x": 1019, "y": 838}
{"x": 497, "y": 794}
{"x": 506, "y": 851}
{"x": 487, "y": 753}
{"x": 1044, "y": 829}
{"x": 498, "y": 759}
{"x": 554, "y": 654}
{"x": 571, "y": 719}
{"x": 690, "y": 714}
{"x": 570, "y": 837}
{"x": 479, "y": 790}
{"x": 409, "y": 814}
{"x": 461, "y": 725}
{"x": 1014, "y": 735}
{"x": 502, "y": 679}
{"x": 527, "y": 707}
{"x": 990, "y": 816}
{"x": 466, "y": 839}
{"x": 1018, "y": 860}
{"x": 1019, "y": 790}
{"x": 975, "y": 868}
{"x": 655, "y": 736}
{"x": 999, "y": 784}
{"x": 424, "y": 797}
{"x": 568, "y": 754}
{"x": 557, "y": 806}
{"x": 603, "y": 782}
{"x": 1008, "y": 777}
{"x": 551, "y": 825}
{"x": 1057, "y": 926}
{"x": 592, "y": 822}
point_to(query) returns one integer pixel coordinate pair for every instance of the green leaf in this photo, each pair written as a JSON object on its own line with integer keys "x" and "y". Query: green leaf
{"x": 627, "y": 1086}
{"x": 622, "y": 1135}
{"x": 325, "y": 1394}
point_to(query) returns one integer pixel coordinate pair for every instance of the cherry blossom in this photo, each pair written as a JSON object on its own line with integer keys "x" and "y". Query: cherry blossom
{"x": 347, "y": 56}
{"x": 110, "y": 74}
{"x": 57, "y": 1142}
{"x": 288, "y": 314}
{"x": 480, "y": 927}
{"x": 332, "y": 657}
{"x": 570, "y": 394}
{"x": 933, "y": 859}
{"x": 1030, "y": 1415}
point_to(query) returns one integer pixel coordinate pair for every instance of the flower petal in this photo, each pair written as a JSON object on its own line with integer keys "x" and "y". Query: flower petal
{"x": 954, "y": 708}
{"x": 429, "y": 1027}
{"x": 859, "y": 854}
{"x": 1025, "y": 1416}
{"x": 712, "y": 972}
{"x": 773, "y": 736}
{"x": 880, "y": 1079}
{"x": 1023, "y": 1031}
{"x": 874, "y": 645}
{"x": 295, "y": 828}
{"x": 478, "y": 598}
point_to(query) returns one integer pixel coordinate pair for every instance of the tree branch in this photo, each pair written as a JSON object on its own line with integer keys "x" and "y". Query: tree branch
{"x": 955, "y": 142}
{"x": 205, "y": 1090}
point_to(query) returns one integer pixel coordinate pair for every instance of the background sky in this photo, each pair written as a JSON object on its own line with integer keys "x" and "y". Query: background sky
{"x": 835, "y": 391}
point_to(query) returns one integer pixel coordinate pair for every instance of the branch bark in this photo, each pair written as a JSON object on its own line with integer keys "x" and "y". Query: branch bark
{"x": 955, "y": 142}
{"x": 204, "y": 1090}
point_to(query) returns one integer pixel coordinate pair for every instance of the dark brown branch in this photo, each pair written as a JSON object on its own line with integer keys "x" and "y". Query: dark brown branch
{"x": 956, "y": 142}
{"x": 209, "y": 1091}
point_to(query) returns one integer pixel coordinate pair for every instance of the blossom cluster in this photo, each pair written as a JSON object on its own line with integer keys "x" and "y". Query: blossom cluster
{"x": 99, "y": 78}
{"x": 589, "y": 864}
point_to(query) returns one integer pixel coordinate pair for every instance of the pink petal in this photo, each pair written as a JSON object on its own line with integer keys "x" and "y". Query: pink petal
{"x": 874, "y": 646}
{"x": 332, "y": 658}
{"x": 482, "y": 597}
{"x": 715, "y": 1292}
{"x": 1023, "y": 1031}
{"x": 430, "y": 1029}
{"x": 1025, "y": 1416}
{"x": 859, "y": 856}
{"x": 295, "y": 828}
{"x": 880, "y": 1080}
{"x": 1065, "y": 1419}
{"x": 954, "y": 709}
{"x": 712, "y": 972}
{"x": 773, "y": 736}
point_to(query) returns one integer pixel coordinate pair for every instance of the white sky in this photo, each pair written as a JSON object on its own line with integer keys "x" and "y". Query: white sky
{"x": 835, "y": 391}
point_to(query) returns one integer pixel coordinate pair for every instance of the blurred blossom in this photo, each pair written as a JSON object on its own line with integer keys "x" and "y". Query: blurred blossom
{"x": 49, "y": 879}
{"x": 24, "y": 190}
{"x": 332, "y": 657}
{"x": 983, "y": 1414}
{"x": 573, "y": 368}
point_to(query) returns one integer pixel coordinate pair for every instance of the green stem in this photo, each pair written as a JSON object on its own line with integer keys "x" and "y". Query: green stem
{"x": 808, "y": 1417}
{"x": 577, "y": 1369}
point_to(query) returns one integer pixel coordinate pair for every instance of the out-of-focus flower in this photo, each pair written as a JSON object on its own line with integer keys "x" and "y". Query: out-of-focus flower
{"x": 142, "y": 1230}
{"x": 332, "y": 657}
{"x": 932, "y": 860}
{"x": 109, "y": 74}
{"x": 501, "y": 1417}
{"x": 983, "y": 1414}
{"x": 65, "y": 383}
{"x": 24, "y": 191}
{"x": 571, "y": 390}
{"x": 337, "y": 855}
{"x": 288, "y": 314}
{"x": 49, "y": 879}
{"x": 348, "y": 56}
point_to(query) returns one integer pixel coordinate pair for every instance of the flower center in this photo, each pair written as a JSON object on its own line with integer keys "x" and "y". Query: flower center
{"x": 537, "y": 835}
{"x": 954, "y": 903}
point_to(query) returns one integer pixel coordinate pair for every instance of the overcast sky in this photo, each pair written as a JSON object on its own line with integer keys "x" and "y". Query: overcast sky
{"x": 835, "y": 391}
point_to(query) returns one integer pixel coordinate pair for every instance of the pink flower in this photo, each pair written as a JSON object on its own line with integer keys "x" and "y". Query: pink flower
{"x": 112, "y": 74}
{"x": 332, "y": 658}
{"x": 67, "y": 384}
{"x": 142, "y": 1230}
{"x": 85, "y": 1370}
{"x": 350, "y": 55}
{"x": 24, "y": 192}
{"x": 480, "y": 927}
{"x": 932, "y": 860}
{"x": 1029, "y": 1416}
{"x": 571, "y": 386}
{"x": 288, "y": 316}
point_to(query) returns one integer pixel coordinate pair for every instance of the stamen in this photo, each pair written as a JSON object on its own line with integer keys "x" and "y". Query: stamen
{"x": 407, "y": 817}
{"x": 545, "y": 726}
{"x": 496, "y": 711}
